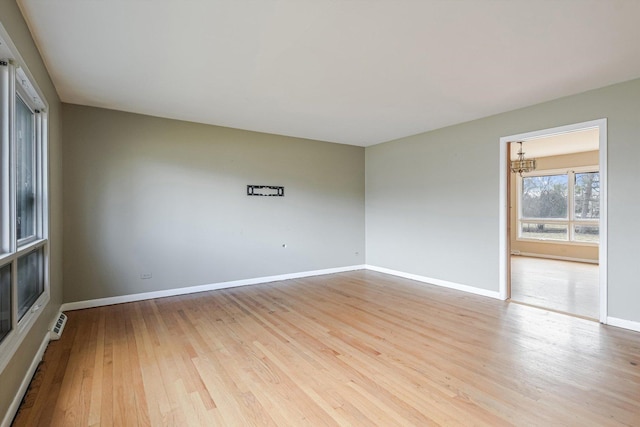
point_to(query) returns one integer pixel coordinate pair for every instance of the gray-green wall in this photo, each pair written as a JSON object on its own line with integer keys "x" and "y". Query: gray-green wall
{"x": 145, "y": 194}
{"x": 14, "y": 373}
{"x": 432, "y": 200}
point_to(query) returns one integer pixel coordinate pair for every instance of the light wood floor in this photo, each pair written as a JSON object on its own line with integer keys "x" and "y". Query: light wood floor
{"x": 358, "y": 348}
{"x": 569, "y": 287}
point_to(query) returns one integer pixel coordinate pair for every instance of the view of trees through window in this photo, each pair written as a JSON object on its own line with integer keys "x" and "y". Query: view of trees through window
{"x": 545, "y": 196}
{"x": 587, "y": 195}
{"x": 30, "y": 280}
{"x": 562, "y": 207}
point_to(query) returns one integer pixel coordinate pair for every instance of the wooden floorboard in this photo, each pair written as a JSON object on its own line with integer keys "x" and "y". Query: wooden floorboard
{"x": 564, "y": 286}
{"x": 359, "y": 348}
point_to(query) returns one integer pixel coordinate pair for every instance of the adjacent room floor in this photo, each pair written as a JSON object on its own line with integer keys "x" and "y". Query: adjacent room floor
{"x": 565, "y": 286}
{"x": 359, "y": 348}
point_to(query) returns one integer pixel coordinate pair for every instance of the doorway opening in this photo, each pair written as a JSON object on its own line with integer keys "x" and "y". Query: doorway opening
{"x": 553, "y": 220}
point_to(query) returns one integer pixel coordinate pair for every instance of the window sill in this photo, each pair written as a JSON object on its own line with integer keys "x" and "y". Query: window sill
{"x": 559, "y": 242}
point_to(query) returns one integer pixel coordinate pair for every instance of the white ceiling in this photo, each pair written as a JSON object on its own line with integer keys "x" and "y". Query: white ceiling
{"x": 348, "y": 71}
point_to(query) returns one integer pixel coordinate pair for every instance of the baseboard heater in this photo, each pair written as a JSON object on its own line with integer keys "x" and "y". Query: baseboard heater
{"x": 58, "y": 327}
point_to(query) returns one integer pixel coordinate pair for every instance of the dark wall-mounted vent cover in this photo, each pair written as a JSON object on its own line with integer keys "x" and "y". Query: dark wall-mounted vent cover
{"x": 265, "y": 190}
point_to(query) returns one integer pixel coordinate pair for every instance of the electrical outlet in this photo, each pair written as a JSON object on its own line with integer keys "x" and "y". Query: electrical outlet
{"x": 145, "y": 275}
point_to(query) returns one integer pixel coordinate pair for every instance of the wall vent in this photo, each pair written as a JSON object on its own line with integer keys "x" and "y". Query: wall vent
{"x": 58, "y": 327}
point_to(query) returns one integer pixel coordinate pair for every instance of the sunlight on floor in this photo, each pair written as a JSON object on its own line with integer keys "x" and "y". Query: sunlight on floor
{"x": 565, "y": 286}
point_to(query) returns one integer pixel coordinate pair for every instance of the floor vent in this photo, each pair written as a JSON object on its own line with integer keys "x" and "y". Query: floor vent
{"x": 58, "y": 327}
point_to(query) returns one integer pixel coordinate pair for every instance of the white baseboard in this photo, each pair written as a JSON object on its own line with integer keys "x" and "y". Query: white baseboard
{"x": 622, "y": 323}
{"x": 437, "y": 282}
{"x": 558, "y": 257}
{"x": 78, "y": 305}
{"x": 15, "y": 404}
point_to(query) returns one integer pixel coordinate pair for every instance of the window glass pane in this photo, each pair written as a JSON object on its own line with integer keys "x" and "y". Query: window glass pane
{"x": 587, "y": 195}
{"x": 544, "y": 231}
{"x": 545, "y": 197}
{"x": 30, "y": 280}
{"x": 25, "y": 171}
{"x": 5, "y": 301}
{"x": 586, "y": 233}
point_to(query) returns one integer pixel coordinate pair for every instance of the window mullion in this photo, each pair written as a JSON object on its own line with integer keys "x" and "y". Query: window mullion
{"x": 39, "y": 170}
{"x": 11, "y": 217}
{"x": 5, "y": 161}
{"x": 13, "y": 246}
{"x": 571, "y": 208}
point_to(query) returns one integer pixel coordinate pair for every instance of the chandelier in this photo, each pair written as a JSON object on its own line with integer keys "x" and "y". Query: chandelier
{"x": 522, "y": 165}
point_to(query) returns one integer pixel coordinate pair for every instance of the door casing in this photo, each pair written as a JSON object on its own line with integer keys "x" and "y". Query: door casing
{"x": 504, "y": 244}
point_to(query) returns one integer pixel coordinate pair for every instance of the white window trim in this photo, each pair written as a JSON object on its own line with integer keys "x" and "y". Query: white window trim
{"x": 569, "y": 222}
{"x": 9, "y": 250}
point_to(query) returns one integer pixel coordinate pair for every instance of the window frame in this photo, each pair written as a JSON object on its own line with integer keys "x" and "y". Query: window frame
{"x": 571, "y": 220}
{"x": 17, "y": 81}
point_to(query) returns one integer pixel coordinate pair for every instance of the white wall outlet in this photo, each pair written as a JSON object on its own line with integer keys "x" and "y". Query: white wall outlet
{"x": 145, "y": 275}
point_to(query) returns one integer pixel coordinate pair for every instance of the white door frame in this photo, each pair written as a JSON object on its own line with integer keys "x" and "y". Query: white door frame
{"x": 601, "y": 124}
